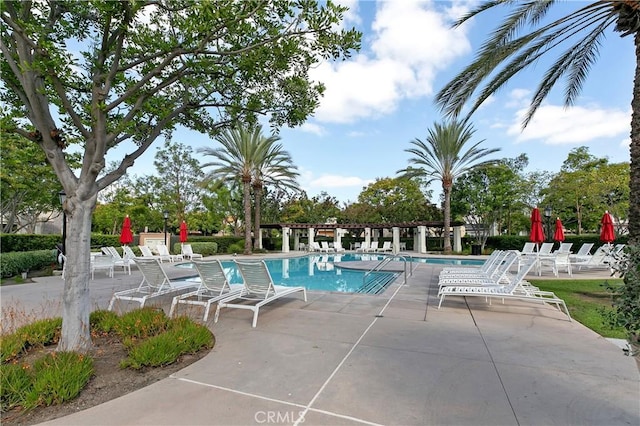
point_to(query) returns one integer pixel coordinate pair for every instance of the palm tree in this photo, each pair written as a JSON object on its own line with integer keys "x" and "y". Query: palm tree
{"x": 242, "y": 148}
{"x": 582, "y": 31}
{"x": 275, "y": 169}
{"x": 442, "y": 157}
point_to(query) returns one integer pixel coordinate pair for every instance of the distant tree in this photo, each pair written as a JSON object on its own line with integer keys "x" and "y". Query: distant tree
{"x": 395, "y": 200}
{"x": 177, "y": 180}
{"x": 140, "y": 69}
{"x": 444, "y": 157}
{"x": 317, "y": 209}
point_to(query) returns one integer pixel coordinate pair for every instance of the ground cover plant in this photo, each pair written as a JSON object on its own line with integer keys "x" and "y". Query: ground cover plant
{"x": 588, "y": 301}
{"x": 129, "y": 351}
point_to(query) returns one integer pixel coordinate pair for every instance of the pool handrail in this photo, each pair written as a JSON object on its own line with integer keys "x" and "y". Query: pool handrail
{"x": 384, "y": 262}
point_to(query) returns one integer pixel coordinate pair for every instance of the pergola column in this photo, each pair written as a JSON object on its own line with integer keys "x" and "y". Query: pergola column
{"x": 367, "y": 236}
{"x": 422, "y": 239}
{"x": 310, "y": 232}
{"x": 395, "y": 231}
{"x": 285, "y": 239}
{"x": 457, "y": 239}
{"x": 296, "y": 239}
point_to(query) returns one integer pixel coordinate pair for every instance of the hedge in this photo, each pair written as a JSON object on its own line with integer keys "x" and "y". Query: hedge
{"x": 12, "y": 264}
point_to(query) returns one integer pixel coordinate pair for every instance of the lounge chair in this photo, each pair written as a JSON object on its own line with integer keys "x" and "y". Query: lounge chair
{"x": 564, "y": 248}
{"x": 599, "y": 259}
{"x": 529, "y": 248}
{"x": 163, "y": 252}
{"x": 314, "y": 246}
{"x": 583, "y": 253}
{"x": 187, "y": 252}
{"x": 337, "y": 246}
{"x": 545, "y": 248}
{"x": 496, "y": 275}
{"x": 386, "y": 247}
{"x": 214, "y": 286}
{"x": 148, "y": 254}
{"x": 556, "y": 261}
{"x": 259, "y": 290}
{"x": 517, "y": 289}
{"x": 373, "y": 247}
{"x": 364, "y": 246}
{"x": 127, "y": 253}
{"x": 324, "y": 247}
{"x": 495, "y": 256}
{"x": 154, "y": 283}
{"x": 118, "y": 260}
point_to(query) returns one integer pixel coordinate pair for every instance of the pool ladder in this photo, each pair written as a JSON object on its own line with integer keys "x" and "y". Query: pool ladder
{"x": 377, "y": 284}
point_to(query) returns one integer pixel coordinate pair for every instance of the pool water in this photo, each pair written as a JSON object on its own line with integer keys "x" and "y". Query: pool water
{"x": 319, "y": 272}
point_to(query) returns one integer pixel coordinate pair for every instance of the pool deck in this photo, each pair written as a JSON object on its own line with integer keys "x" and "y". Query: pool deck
{"x": 392, "y": 359}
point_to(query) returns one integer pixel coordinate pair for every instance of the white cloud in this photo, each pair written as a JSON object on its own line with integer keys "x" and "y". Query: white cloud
{"x": 625, "y": 143}
{"x": 555, "y": 125}
{"x": 313, "y": 128}
{"x": 337, "y": 181}
{"x": 410, "y": 43}
{"x": 518, "y": 98}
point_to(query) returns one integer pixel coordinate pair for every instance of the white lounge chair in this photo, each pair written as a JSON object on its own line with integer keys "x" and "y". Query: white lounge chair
{"x": 545, "y": 248}
{"x": 213, "y": 287}
{"x": 364, "y": 246}
{"x": 529, "y": 248}
{"x": 163, "y": 252}
{"x": 337, "y": 246}
{"x": 187, "y": 252}
{"x": 154, "y": 283}
{"x": 148, "y": 254}
{"x": 564, "y": 248}
{"x": 259, "y": 290}
{"x": 324, "y": 247}
{"x": 495, "y": 256}
{"x": 598, "y": 260}
{"x": 555, "y": 261}
{"x": 583, "y": 253}
{"x": 373, "y": 247}
{"x": 386, "y": 247}
{"x": 495, "y": 276}
{"x": 517, "y": 289}
{"x": 118, "y": 260}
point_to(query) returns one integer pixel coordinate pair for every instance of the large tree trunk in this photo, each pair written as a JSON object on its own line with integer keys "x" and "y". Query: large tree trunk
{"x": 634, "y": 178}
{"x": 447, "y": 218}
{"x": 76, "y": 307}
{"x": 247, "y": 216}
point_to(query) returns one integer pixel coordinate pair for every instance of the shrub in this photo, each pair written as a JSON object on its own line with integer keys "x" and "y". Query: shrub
{"x": 40, "y": 333}
{"x": 236, "y": 248}
{"x": 141, "y": 324}
{"x": 103, "y": 321}
{"x": 15, "y": 384}
{"x": 58, "y": 377}
{"x": 182, "y": 337}
{"x": 626, "y": 298}
{"x": 14, "y": 263}
{"x": 204, "y": 248}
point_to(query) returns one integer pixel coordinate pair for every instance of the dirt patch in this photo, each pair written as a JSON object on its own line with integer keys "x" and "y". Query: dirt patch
{"x": 109, "y": 382}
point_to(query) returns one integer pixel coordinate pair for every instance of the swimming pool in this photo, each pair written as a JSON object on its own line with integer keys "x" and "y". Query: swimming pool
{"x": 320, "y": 272}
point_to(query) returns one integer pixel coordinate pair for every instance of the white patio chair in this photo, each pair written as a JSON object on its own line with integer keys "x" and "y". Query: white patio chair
{"x": 259, "y": 290}
{"x": 564, "y": 248}
{"x": 556, "y": 261}
{"x": 154, "y": 283}
{"x": 529, "y": 248}
{"x": 214, "y": 286}
{"x": 598, "y": 260}
{"x": 324, "y": 247}
{"x": 498, "y": 274}
{"x": 488, "y": 263}
{"x": 187, "y": 252}
{"x": 337, "y": 246}
{"x": 163, "y": 252}
{"x": 102, "y": 263}
{"x": 517, "y": 289}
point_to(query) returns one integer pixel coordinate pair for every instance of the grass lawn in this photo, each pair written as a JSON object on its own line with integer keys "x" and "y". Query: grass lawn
{"x": 586, "y": 300}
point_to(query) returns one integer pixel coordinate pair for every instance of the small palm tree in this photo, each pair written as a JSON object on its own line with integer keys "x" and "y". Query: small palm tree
{"x": 242, "y": 148}
{"x": 443, "y": 157}
{"x": 513, "y": 49}
{"x": 275, "y": 169}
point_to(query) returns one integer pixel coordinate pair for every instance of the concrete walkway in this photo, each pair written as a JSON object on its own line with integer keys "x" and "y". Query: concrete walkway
{"x": 393, "y": 359}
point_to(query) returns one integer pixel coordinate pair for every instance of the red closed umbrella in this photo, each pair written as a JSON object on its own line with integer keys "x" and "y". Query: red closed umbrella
{"x": 183, "y": 232}
{"x": 537, "y": 233}
{"x": 606, "y": 231}
{"x": 126, "y": 236}
{"x": 558, "y": 235}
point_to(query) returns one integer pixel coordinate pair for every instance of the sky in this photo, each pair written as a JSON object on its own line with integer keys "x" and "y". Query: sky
{"x": 382, "y": 98}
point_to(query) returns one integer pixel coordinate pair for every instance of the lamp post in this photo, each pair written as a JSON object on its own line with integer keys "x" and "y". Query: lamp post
{"x": 165, "y": 214}
{"x": 547, "y": 215}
